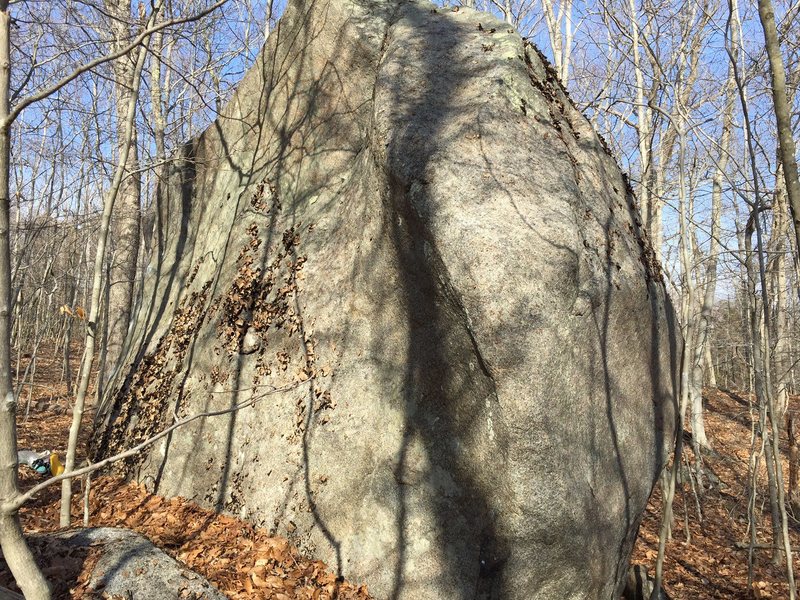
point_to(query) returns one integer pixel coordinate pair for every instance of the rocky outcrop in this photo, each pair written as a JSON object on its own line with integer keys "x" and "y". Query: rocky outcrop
{"x": 410, "y": 282}
{"x": 112, "y": 563}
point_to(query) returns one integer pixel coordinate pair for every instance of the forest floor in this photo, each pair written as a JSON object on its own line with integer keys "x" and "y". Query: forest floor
{"x": 712, "y": 560}
{"x": 245, "y": 562}
{"x": 241, "y": 561}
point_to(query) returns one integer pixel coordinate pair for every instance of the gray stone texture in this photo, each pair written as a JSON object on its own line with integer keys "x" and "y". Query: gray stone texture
{"x": 402, "y": 223}
{"x": 130, "y": 566}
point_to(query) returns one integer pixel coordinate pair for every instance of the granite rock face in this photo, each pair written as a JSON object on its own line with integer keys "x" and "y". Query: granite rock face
{"x": 409, "y": 269}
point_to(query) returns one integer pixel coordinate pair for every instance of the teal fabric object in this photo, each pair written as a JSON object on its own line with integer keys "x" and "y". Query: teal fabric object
{"x": 38, "y": 461}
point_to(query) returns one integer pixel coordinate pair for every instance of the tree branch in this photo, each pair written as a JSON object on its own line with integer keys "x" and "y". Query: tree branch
{"x": 17, "y": 502}
{"x": 42, "y": 94}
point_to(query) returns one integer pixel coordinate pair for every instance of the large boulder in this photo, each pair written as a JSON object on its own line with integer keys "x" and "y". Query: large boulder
{"x": 411, "y": 284}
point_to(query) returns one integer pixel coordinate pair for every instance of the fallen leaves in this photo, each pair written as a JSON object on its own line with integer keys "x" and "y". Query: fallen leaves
{"x": 240, "y": 560}
{"x": 762, "y": 589}
{"x": 713, "y": 565}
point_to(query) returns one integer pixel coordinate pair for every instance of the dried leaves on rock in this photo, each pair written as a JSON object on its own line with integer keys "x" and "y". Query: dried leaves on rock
{"x": 241, "y": 561}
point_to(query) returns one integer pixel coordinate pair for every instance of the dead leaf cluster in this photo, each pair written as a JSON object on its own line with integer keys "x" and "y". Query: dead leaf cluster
{"x": 262, "y": 303}
{"x": 261, "y": 298}
{"x": 141, "y": 403}
{"x": 265, "y": 198}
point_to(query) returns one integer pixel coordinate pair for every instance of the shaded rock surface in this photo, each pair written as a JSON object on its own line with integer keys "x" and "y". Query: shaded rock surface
{"x": 6, "y": 594}
{"x": 412, "y": 268}
{"x": 128, "y": 565}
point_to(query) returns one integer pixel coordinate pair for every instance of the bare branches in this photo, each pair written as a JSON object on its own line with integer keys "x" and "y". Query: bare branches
{"x": 52, "y": 89}
{"x": 17, "y": 502}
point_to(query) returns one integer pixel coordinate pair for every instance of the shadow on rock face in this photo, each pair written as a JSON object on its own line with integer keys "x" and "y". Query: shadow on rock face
{"x": 408, "y": 279}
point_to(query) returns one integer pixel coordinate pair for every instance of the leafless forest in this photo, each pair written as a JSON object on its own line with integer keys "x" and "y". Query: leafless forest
{"x": 697, "y": 100}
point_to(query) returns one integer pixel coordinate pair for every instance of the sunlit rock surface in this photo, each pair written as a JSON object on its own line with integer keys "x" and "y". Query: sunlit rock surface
{"x": 407, "y": 267}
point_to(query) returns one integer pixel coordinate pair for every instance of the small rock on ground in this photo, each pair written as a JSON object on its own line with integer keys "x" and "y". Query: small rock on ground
{"x": 129, "y": 566}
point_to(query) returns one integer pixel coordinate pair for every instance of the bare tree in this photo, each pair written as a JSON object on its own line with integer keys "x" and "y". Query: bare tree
{"x": 776, "y": 271}
{"x": 561, "y": 36}
{"x": 15, "y": 550}
{"x": 128, "y": 203}
{"x": 100, "y": 255}
{"x": 760, "y": 342}
{"x": 783, "y": 114}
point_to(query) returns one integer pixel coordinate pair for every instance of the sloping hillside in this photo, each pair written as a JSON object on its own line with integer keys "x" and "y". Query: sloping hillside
{"x": 713, "y": 562}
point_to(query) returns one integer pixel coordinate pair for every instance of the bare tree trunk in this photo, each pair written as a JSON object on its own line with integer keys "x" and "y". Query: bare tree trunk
{"x": 128, "y": 212}
{"x": 507, "y": 14}
{"x": 794, "y": 462}
{"x": 710, "y": 370}
{"x": 15, "y": 551}
{"x": 560, "y": 41}
{"x": 642, "y": 128}
{"x": 91, "y": 324}
{"x": 776, "y": 271}
{"x": 756, "y": 452}
{"x": 686, "y": 367}
{"x": 760, "y": 369}
{"x": 783, "y": 113}
{"x": 704, "y": 321}
{"x": 270, "y": 11}
{"x": 101, "y": 331}
{"x": 761, "y": 346}
{"x": 159, "y": 134}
